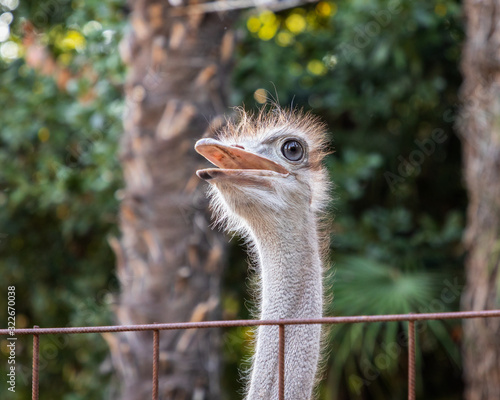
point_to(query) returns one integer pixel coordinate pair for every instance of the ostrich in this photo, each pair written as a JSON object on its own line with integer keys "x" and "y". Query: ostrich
{"x": 271, "y": 188}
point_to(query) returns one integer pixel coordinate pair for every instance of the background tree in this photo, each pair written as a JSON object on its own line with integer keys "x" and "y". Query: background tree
{"x": 169, "y": 260}
{"x": 480, "y": 132}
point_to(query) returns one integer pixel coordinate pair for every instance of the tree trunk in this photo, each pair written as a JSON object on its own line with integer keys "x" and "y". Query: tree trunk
{"x": 480, "y": 131}
{"x": 168, "y": 260}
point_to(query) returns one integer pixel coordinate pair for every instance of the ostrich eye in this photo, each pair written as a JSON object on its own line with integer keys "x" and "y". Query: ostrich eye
{"x": 292, "y": 150}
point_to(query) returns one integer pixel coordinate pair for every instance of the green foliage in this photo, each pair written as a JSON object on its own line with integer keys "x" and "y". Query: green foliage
{"x": 59, "y": 183}
{"x": 384, "y": 76}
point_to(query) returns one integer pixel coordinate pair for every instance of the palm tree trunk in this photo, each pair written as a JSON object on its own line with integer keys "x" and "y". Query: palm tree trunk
{"x": 480, "y": 131}
{"x": 168, "y": 262}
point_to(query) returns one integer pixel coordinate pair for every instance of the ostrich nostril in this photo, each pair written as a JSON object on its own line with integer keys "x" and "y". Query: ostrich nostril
{"x": 238, "y": 146}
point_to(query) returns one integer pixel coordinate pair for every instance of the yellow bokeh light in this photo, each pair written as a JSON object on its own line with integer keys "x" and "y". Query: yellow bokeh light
{"x": 284, "y": 39}
{"x": 267, "y": 17}
{"x": 73, "y": 41}
{"x": 295, "y": 23}
{"x": 43, "y": 134}
{"x": 316, "y": 67}
{"x": 260, "y": 96}
{"x": 325, "y": 9}
{"x": 440, "y": 10}
{"x": 268, "y": 31}
{"x": 253, "y": 24}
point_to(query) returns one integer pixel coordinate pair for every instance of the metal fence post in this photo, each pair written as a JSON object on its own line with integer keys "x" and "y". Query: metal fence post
{"x": 156, "y": 357}
{"x": 35, "y": 378}
{"x": 281, "y": 362}
{"x": 411, "y": 360}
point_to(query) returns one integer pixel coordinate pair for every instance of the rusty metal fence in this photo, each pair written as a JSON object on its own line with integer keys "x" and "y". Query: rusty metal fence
{"x": 282, "y": 323}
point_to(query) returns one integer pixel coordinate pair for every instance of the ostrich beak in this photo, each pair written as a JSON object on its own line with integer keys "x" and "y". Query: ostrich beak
{"x": 234, "y": 162}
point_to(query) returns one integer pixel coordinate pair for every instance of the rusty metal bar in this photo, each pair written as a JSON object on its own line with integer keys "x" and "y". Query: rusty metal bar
{"x": 411, "y": 360}
{"x": 281, "y": 362}
{"x": 411, "y": 318}
{"x": 226, "y": 324}
{"x": 156, "y": 358}
{"x": 35, "y": 378}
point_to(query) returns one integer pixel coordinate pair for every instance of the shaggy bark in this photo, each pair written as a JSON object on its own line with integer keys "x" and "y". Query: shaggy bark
{"x": 480, "y": 130}
{"x": 168, "y": 260}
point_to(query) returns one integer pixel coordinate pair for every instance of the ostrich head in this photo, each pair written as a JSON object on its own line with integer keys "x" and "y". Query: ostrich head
{"x": 270, "y": 186}
{"x": 270, "y": 166}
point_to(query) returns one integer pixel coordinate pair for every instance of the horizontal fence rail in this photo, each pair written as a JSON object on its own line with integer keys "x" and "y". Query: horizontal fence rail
{"x": 281, "y": 323}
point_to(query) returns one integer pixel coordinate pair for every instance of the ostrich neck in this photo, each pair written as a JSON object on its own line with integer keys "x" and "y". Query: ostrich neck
{"x": 290, "y": 270}
{"x": 291, "y": 287}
